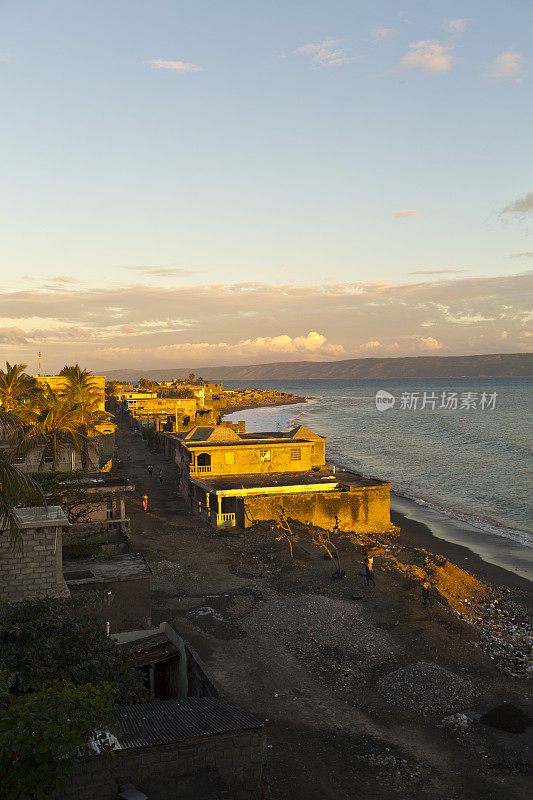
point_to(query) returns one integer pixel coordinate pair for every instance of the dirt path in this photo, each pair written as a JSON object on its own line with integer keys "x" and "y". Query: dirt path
{"x": 330, "y": 734}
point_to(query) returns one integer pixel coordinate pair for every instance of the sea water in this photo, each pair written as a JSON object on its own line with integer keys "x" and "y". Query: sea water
{"x": 470, "y": 463}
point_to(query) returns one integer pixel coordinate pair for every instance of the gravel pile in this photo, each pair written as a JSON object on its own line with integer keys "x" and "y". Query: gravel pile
{"x": 425, "y": 688}
{"x": 317, "y": 627}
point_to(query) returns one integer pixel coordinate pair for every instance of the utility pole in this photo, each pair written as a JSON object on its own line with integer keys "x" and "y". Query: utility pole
{"x": 39, "y": 354}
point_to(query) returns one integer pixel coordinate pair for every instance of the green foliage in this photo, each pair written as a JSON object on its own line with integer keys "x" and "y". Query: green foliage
{"x": 83, "y": 549}
{"x": 50, "y": 482}
{"x": 41, "y": 733}
{"x": 152, "y": 437}
{"x": 48, "y": 639}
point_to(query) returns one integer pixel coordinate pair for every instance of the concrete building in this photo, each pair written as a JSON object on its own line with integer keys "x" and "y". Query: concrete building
{"x": 36, "y": 568}
{"x": 239, "y": 479}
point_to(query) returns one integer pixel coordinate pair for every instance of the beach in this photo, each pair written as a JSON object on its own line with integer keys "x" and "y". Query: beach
{"x": 363, "y": 691}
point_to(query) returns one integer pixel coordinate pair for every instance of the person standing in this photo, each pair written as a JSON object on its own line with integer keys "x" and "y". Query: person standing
{"x": 128, "y": 454}
{"x": 369, "y": 571}
{"x": 150, "y": 469}
{"x": 145, "y": 502}
{"x": 426, "y": 593}
{"x": 161, "y": 477}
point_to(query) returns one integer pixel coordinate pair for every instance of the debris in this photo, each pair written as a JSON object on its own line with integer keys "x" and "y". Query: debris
{"x": 425, "y": 688}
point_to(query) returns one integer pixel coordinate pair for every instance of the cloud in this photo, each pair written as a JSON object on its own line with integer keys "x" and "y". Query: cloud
{"x": 522, "y": 255}
{"x": 176, "y": 66}
{"x": 438, "y": 271}
{"x": 163, "y": 270}
{"x": 455, "y": 25}
{"x": 520, "y": 209}
{"x": 509, "y": 66}
{"x": 428, "y": 55}
{"x": 260, "y": 322}
{"x": 403, "y": 213}
{"x": 326, "y": 53}
{"x": 380, "y": 33}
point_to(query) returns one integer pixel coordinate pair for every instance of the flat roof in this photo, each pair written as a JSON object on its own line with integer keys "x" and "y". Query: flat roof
{"x": 192, "y": 444}
{"x": 40, "y": 517}
{"x": 99, "y": 480}
{"x": 86, "y": 570}
{"x": 272, "y": 480}
{"x": 356, "y": 479}
{"x": 166, "y": 721}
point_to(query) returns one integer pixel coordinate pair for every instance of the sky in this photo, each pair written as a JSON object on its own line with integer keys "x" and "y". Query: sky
{"x": 200, "y": 182}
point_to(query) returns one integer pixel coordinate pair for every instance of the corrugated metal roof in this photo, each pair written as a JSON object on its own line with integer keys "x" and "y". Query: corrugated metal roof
{"x": 151, "y": 649}
{"x": 167, "y": 721}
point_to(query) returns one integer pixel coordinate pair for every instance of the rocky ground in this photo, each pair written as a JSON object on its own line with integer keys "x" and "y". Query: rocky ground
{"x": 374, "y": 697}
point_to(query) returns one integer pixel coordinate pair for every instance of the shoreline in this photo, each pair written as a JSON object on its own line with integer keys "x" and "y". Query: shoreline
{"x": 257, "y": 407}
{"x": 440, "y": 534}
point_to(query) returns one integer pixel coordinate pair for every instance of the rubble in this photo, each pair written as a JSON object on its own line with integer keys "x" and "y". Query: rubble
{"x": 425, "y": 688}
{"x": 507, "y": 636}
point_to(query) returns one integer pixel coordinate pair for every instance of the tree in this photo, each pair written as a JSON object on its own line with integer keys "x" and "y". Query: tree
{"x": 42, "y": 733}
{"x": 145, "y": 384}
{"x": 58, "y": 424}
{"x": 191, "y": 377}
{"x": 17, "y": 389}
{"x": 49, "y": 639}
{"x": 16, "y": 488}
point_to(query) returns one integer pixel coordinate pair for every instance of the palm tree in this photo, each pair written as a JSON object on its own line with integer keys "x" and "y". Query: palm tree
{"x": 58, "y": 424}
{"x": 83, "y": 393}
{"x": 16, "y": 488}
{"x": 80, "y": 386}
{"x": 16, "y": 388}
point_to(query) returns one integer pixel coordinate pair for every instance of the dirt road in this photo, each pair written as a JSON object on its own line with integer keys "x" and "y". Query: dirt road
{"x": 288, "y": 643}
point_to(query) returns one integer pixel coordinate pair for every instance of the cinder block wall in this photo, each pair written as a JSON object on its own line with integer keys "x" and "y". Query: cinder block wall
{"x": 238, "y": 758}
{"x": 37, "y": 569}
{"x": 363, "y": 510}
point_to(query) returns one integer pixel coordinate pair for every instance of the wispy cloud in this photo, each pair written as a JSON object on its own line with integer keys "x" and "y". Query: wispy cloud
{"x": 428, "y": 55}
{"x": 176, "y": 66}
{"x": 380, "y": 33}
{"x": 326, "y": 53}
{"x": 522, "y": 255}
{"x": 520, "y": 209}
{"x": 455, "y": 25}
{"x": 406, "y": 213}
{"x": 509, "y": 66}
{"x": 163, "y": 270}
{"x": 438, "y": 271}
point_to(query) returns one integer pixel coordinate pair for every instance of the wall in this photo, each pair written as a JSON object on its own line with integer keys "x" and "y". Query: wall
{"x": 238, "y": 758}
{"x": 247, "y": 460}
{"x": 36, "y": 570}
{"x": 123, "y": 602}
{"x": 363, "y": 510}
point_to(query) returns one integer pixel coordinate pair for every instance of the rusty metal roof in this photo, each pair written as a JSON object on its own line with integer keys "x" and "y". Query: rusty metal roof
{"x": 151, "y": 649}
{"x": 167, "y": 721}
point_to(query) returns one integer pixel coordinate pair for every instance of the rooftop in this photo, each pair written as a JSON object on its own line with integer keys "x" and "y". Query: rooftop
{"x": 167, "y": 721}
{"x": 87, "y": 570}
{"x": 41, "y": 517}
{"x": 271, "y": 480}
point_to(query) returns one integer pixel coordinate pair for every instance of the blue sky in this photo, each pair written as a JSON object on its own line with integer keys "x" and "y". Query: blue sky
{"x": 194, "y": 147}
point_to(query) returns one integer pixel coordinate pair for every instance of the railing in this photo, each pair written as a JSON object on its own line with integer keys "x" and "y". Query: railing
{"x": 225, "y": 520}
{"x": 200, "y": 470}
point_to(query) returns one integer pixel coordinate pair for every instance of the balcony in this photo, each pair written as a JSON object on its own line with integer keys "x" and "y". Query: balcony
{"x": 225, "y": 520}
{"x": 196, "y": 470}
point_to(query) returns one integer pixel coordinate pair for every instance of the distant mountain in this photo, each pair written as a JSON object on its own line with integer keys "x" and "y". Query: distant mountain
{"x": 498, "y": 365}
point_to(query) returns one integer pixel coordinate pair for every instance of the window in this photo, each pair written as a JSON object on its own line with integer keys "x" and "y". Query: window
{"x": 264, "y": 455}
{"x": 296, "y": 454}
{"x": 19, "y": 460}
{"x": 229, "y": 458}
{"x": 48, "y": 456}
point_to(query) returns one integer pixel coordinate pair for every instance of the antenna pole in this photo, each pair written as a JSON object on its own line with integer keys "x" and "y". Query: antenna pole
{"x": 39, "y": 354}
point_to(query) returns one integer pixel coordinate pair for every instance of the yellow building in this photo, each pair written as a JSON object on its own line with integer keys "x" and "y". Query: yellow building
{"x": 57, "y": 383}
{"x": 234, "y": 478}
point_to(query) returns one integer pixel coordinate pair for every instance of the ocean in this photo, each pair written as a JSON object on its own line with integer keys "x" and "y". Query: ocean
{"x": 457, "y": 451}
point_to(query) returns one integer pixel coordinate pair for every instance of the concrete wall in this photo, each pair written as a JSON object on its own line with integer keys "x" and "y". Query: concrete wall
{"x": 123, "y": 602}
{"x": 237, "y": 758}
{"x": 363, "y": 510}
{"x": 246, "y": 460}
{"x": 34, "y": 571}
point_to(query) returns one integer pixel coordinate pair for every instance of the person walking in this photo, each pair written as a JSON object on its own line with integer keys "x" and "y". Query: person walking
{"x": 369, "y": 571}
{"x": 150, "y": 469}
{"x": 128, "y": 454}
{"x": 426, "y": 593}
{"x": 145, "y": 502}
{"x": 161, "y": 477}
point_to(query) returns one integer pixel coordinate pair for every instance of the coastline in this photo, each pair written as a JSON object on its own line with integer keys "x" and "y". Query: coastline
{"x": 296, "y": 400}
{"x": 470, "y": 548}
